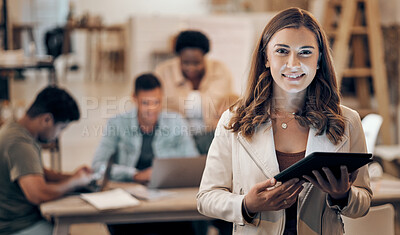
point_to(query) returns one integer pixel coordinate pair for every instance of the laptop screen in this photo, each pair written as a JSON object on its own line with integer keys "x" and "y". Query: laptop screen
{"x": 107, "y": 172}
{"x": 177, "y": 172}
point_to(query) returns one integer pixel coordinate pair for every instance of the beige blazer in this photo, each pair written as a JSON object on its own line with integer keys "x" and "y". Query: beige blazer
{"x": 214, "y": 87}
{"x": 235, "y": 164}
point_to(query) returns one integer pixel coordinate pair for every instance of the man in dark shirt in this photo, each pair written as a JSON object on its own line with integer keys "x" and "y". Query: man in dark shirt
{"x": 24, "y": 182}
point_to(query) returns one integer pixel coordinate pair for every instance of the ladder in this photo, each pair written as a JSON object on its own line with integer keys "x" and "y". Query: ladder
{"x": 353, "y": 27}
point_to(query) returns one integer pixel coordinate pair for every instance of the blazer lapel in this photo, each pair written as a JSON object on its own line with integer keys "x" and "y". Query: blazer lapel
{"x": 261, "y": 149}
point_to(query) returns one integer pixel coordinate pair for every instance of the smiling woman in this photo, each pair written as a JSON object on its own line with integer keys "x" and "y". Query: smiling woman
{"x": 293, "y": 59}
{"x": 291, "y": 108}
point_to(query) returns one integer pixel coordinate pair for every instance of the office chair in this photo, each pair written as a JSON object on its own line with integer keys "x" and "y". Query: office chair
{"x": 379, "y": 220}
{"x": 371, "y": 125}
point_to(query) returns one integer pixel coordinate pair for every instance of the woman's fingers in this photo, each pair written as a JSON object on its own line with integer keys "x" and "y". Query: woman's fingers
{"x": 265, "y": 185}
{"x": 353, "y": 176}
{"x": 287, "y": 193}
{"x": 344, "y": 175}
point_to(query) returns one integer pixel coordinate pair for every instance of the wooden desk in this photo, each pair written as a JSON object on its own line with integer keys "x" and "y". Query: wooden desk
{"x": 387, "y": 190}
{"x": 31, "y": 63}
{"x": 17, "y": 30}
{"x": 73, "y": 210}
{"x": 179, "y": 207}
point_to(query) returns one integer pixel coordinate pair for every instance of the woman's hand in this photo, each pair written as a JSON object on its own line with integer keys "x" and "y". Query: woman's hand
{"x": 336, "y": 188}
{"x": 271, "y": 196}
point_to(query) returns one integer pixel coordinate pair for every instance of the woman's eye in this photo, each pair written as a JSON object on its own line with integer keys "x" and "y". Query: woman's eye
{"x": 282, "y": 51}
{"x": 305, "y": 52}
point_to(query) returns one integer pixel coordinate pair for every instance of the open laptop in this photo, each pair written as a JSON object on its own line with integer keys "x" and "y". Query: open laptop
{"x": 170, "y": 173}
{"x": 98, "y": 185}
{"x": 177, "y": 172}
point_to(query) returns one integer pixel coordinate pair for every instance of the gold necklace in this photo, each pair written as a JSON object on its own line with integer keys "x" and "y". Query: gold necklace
{"x": 284, "y": 125}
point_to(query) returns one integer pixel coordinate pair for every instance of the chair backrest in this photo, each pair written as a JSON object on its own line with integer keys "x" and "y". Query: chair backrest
{"x": 371, "y": 125}
{"x": 379, "y": 220}
{"x": 54, "y": 42}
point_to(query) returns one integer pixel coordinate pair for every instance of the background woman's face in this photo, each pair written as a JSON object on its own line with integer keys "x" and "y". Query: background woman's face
{"x": 192, "y": 63}
{"x": 293, "y": 58}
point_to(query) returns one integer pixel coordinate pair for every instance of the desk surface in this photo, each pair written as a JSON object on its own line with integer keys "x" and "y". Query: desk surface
{"x": 386, "y": 189}
{"x": 179, "y": 207}
{"x": 69, "y": 210}
{"x": 43, "y": 62}
{"x": 27, "y": 62}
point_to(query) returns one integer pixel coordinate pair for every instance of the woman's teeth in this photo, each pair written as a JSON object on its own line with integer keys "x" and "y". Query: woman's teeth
{"x": 293, "y": 75}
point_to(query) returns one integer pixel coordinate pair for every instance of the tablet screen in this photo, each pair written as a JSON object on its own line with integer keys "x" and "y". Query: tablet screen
{"x": 318, "y": 160}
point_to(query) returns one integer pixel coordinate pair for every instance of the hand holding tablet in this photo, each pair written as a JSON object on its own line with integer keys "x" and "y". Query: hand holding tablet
{"x": 318, "y": 160}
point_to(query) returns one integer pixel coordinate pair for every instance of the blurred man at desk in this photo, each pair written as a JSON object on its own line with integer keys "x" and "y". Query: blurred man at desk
{"x": 140, "y": 135}
{"x": 24, "y": 182}
{"x": 143, "y": 133}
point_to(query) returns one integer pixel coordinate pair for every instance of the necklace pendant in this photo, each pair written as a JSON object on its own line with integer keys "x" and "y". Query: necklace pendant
{"x": 284, "y": 125}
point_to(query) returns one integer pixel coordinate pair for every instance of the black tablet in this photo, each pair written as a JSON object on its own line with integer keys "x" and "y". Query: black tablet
{"x": 318, "y": 160}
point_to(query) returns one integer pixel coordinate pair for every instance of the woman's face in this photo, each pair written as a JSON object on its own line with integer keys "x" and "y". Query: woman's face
{"x": 192, "y": 63}
{"x": 292, "y": 55}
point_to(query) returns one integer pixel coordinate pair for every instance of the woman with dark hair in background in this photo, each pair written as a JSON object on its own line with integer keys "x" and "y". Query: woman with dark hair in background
{"x": 194, "y": 85}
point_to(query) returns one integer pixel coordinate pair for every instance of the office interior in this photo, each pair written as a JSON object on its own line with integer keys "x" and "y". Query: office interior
{"x": 109, "y": 43}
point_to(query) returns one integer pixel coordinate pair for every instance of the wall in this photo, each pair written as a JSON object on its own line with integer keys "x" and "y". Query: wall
{"x": 232, "y": 39}
{"x": 390, "y": 11}
{"x": 120, "y": 10}
{"x": 41, "y": 14}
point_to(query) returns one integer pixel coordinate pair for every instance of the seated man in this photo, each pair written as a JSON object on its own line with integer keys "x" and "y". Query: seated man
{"x": 138, "y": 136}
{"x": 24, "y": 182}
{"x": 143, "y": 133}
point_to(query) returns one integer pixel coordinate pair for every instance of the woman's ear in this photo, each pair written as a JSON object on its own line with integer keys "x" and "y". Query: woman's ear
{"x": 267, "y": 64}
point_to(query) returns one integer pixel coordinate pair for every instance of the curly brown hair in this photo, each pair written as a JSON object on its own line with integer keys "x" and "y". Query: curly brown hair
{"x": 321, "y": 108}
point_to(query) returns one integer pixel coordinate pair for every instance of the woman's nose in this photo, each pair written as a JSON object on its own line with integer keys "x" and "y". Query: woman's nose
{"x": 293, "y": 61}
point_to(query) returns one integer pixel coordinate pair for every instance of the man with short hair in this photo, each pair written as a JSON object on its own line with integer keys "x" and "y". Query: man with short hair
{"x": 24, "y": 182}
{"x": 142, "y": 134}
{"x": 138, "y": 136}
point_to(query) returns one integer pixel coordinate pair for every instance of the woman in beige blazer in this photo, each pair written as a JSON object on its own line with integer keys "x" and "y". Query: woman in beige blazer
{"x": 291, "y": 108}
